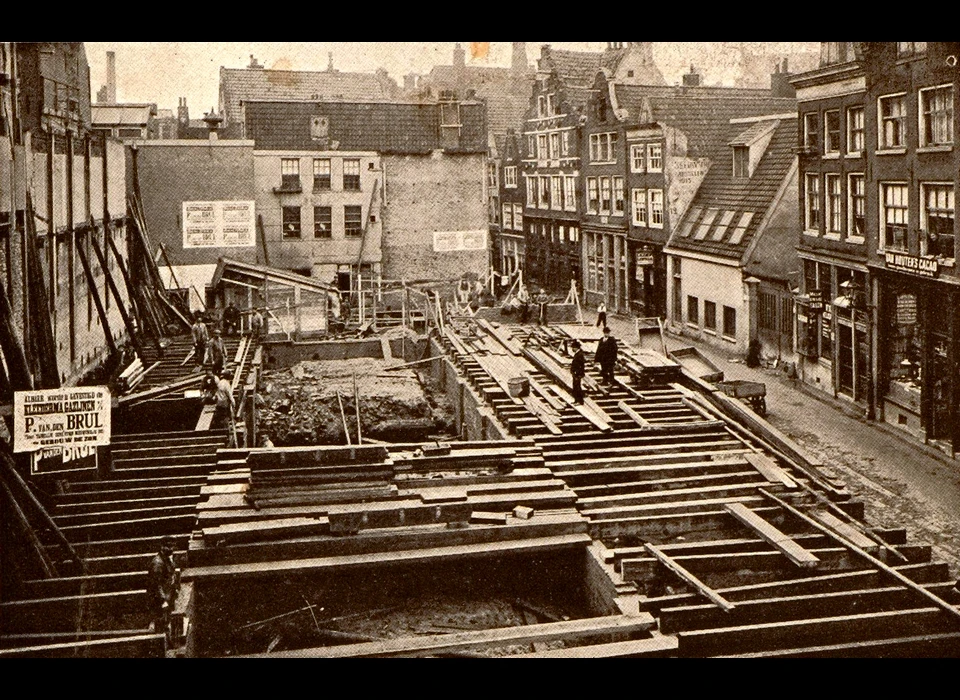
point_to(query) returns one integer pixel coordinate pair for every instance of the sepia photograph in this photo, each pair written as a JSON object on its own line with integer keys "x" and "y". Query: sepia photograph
{"x": 479, "y": 350}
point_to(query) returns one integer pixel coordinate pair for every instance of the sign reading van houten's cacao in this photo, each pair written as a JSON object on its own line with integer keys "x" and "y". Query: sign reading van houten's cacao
{"x": 901, "y": 262}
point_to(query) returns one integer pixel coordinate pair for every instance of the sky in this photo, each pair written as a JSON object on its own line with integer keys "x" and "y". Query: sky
{"x": 162, "y": 72}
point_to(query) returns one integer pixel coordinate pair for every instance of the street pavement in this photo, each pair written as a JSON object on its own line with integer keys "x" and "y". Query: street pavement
{"x": 903, "y": 483}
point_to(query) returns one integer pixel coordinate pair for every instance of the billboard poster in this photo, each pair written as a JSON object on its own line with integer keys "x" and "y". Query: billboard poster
{"x": 450, "y": 241}
{"x": 219, "y": 225}
{"x": 61, "y": 418}
{"x": 54, "y": 460}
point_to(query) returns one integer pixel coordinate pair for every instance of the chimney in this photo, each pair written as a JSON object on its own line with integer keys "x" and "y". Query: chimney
{"x": 780, "y": 81}
{"x": 410, "y": 82}
{"x": 253, "y": 63}
{"x": 213, "y": 122}
{"x": 519, "y": 63}
{"x": 692, "y": 79}
{"x": 111, "y": 78}
{"x": 459, "y": 57}
{"x": 330, "y": 61}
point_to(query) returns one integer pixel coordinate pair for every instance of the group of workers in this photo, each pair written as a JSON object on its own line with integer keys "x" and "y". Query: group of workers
{"x": 541, "y": 300}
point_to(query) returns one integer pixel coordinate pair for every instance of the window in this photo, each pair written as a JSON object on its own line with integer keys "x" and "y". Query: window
{"x": 541, "y": 106}
{"x": 321, "y": 173}
{"x": 510, "y": 176}
{"x": 351, "y": 174}
{"x": 508, "y": 216}
{"x": 493, "y": 181}
{"x": 704, "y": 227}
{"x": 640, "y": 207}
{"x": 722, "y": 225}
{"x": 322, "y": 222}
{"x": 352, "y": 221}
{"x": 618, "y": 203}
{"x": 812, "y": 203}
{"x": 518, "y": 217}
{"x": 936, "y": 116}
{"x": 593, "y": 195}
{"x": 855, "y": 130}
{"x": 938, "y": 208}
{"x": 603, "y": 148}
{"x": 831, "y": 131}
{"x": 551, "y": 105}
{"x": 741, "y": 228}
{"x": 857, "y": 211}
{"x": 556, "y": 191}
{"x": 638, "y": 158}
{"x": 555, "y": 144}
{"x": 894, "y": 215}
{"x": 892, "y": 111}
{"x": 291, "y": 222}
{"x": 811, "y": 125}
{"x": 604, "y": 195}
{"x": 835, "y": 52}
{"x": 544, "y": 192}
{"x": 741, "y": 161}
{"x": 570, "y": 192}
{"x": 531, "y": 190}
{"x": 677, "y": 290}
{"x": 710, "y": 315}
{"x": 543, "y": 147}
{"x": 693, "y": 310}
{"x": 729, "y": 322}
{"x": 531, "y": 146}
{"x": 656, "y": 208}
{"x": 290, "y": 174}
{"x": 654, "y": 158}
{"x": 834, "y": 199}
{"x": 911, "y": 48}
{"x": 565, "y": 143}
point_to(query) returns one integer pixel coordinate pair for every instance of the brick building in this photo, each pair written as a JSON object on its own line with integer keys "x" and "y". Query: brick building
{"x": 76, "y": 184}
{"x": 506, "y": 204}
{"x": 647, "y": 149}
{"x": 736, "y": 241}
{"x": 879, "y": 176}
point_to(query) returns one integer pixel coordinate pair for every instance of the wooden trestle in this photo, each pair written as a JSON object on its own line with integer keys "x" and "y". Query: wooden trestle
{"x": 701, "y": 533}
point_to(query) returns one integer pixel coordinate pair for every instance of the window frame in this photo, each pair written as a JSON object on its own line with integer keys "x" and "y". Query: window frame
{"x": 833, "y": 201}
{"x": 638, "y": 158}
{"x": 811, "y": 131}
{"x": 811, "y": 204}
{"x": 348, "y": 225}
{"x": 606, "y": 195}
{"x": 856, "y": 135}
{"x": 319, "y": 177}
{"x": 510, "y": 176}
{"x": 556, "y": 192}
{"x": 353, "y": 184}
{"x": 693, "y": 311}
{"x": 570, "y": 192}
{"x": 725, "y": 332}
{"x": 741, "y": 162}
{"x": 710, "y": 315}
{"x": 925, "y": 188}
{"x": 593, "y": 195}
{"x": 885, "y": 223}
{"x": 655, "y": 211}
{"x": 317, "y": 208}
{"x": 286, "y": 219}
{"x": 853, "y": 198}
{"x": 290, "y": 174}
{"x": 900, "y": 120}
{"x": 639, "y": 213}
{"x": 619, "y": 203}
{"x": 924, "y": 124}
{"x": 654, "y": 158}
{"x": 832, "y": 133}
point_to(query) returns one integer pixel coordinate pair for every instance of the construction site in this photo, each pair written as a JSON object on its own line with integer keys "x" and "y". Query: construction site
{"x": 423, "y": 483}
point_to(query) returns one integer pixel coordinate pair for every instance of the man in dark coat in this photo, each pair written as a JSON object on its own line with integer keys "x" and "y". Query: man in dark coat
{"x": 162, "y": 585}
{"x": 542, "y": 301}
{"x": 216, "y": 353}
{"x": 578, "y": 368}
{"x": 606, "y": 356}
{"x": 200, "y": 338}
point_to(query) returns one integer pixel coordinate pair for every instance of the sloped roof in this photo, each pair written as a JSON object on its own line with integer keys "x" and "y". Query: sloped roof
{"x": 703, "y": 114}
{"x": 120, "y": 114}
{"x": 385, "y": 127}
{"x": 726, "y": 212}
{"x": 753, "y": 133}
{"x": 506, "y": 93}
{"x": 579, "y": 68}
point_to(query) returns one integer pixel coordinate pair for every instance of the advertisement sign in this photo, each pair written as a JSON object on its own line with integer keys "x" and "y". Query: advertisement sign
{"x": 924, "y": 267}
{"x": 450, "y": 241}
{"x": 816, "y": 301}
{"x": 61, "y": 418}
{"x": 55, "y": 460}
{"x": 219, "y": 225}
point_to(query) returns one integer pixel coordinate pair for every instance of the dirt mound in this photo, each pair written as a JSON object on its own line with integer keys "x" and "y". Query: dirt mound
{"x": 300, "y": 404}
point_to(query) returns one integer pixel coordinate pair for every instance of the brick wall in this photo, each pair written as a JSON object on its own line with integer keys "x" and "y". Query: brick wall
{"x": 424, "y": 194}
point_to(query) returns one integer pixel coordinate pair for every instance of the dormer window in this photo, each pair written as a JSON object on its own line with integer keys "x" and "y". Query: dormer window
{"x": 741, "y": 162}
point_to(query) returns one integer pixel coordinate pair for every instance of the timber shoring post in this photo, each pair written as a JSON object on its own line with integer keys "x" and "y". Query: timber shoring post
{"x": 936, "y": 600}
{"x": 101, "y": 258}
{"x": 356, "y": 402}
{"x": 343, "y": 417}
{"x": 95, "y": 293}
{"x": 40, "y": 316}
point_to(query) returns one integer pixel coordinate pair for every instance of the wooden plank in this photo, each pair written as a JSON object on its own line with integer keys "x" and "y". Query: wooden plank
{"x": 505, "y": 636}
{"x": 935, "y": 646}
{"x": 784, "y": 543}
{"x": 634, "y": 416}
{"x": 385, "y": 349}
{"x": 655, "y": 646}
{"x": 689, "y": 578}
{"x": 766, "y": 466}
{"x": 134, "y": 646}
{"x": 848, "y": 531}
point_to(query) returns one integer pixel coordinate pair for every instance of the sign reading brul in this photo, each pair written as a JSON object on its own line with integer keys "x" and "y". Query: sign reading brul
{"x": 925, "y": 267}
{"x": 64, "y": 418}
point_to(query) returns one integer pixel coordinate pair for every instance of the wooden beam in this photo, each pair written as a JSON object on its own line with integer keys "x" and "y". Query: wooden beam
{"x": 121, "y": 307}
{"x": 503, "y": 636}
{"x": 656, "y": 646}
{"x": 133, "y": 646}
{"x": 787, "y": 546}
{"x": 689, "y": 578}
{"x": 95, "y": 293}
{"x": 634, "y": 416}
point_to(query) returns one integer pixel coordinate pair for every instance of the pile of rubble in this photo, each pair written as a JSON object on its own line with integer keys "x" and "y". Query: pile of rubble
{"x": 302, "y": 404}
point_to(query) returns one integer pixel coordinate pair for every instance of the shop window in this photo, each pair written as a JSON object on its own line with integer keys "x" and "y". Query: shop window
{"x": 905, "y": 350}
{"x": 938, "y": 212}
{"x": 911, "y": 48}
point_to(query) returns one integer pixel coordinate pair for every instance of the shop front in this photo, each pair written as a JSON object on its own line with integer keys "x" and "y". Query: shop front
{"x": 918, "y": 380}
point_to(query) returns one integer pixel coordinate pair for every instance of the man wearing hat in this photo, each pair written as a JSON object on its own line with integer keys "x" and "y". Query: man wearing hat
{"x": 606, "y": 356}
{"x": 578, "y": 368}
{"x": 162, "y": 585}
{"x": 216, "y": 353}
{"x": 224, "y": 412}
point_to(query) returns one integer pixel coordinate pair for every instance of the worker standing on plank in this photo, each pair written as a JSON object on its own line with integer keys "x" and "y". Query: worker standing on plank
{"x": 606, "y": 356}
{"x": 578, "y": 369}
{"x": 200, "y": 338}
{"x": 162, "y": 586}
{"x": 226, "y": 409}
{"x": 542, "y": 301}
{"x": 216, "y": 353}
{"x": 523, "y": 298}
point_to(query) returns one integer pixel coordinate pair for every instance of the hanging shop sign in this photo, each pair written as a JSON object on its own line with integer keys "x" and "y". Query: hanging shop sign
{"x": 219, "y": 225}
{"x": 644, "y": 256}
{"x": 816, "y": 301}
{"x": 61, "y": 418}
{"x": 915, "y": 265}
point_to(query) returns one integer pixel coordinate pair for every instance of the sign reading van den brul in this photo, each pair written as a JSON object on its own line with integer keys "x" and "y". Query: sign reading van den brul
{"x": 449, "y": 241}
{"x": 924, "y": 267}
{"x": 219, "y": 225}
{"x": 56, "y": 460}
{"x": 64, "y": 418}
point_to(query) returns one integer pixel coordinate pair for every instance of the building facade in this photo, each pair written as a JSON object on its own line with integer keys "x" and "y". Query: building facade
{"x": 506, "y": 206}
